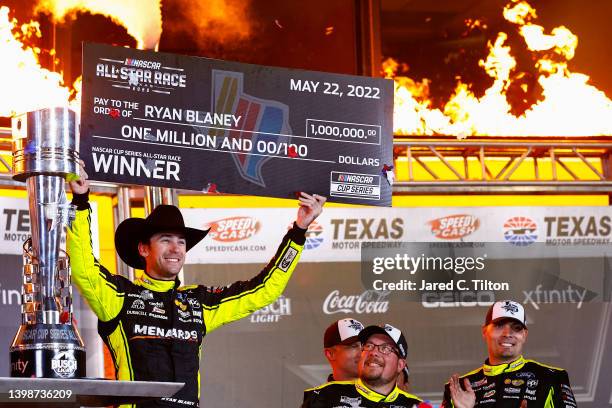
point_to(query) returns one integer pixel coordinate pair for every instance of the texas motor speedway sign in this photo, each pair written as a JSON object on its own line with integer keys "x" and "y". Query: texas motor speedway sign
{"x": 209, "y": 125}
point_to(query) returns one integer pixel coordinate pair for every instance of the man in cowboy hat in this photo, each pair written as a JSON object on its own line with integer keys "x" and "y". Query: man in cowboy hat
{"x": 507, "y": 379}
{"x": 152, "y": 326}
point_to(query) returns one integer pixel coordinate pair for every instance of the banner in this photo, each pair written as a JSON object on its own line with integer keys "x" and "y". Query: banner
{"x": 208, "y": 125}
{"x": 250, "y": 235}
{"x": 15, "y": 226}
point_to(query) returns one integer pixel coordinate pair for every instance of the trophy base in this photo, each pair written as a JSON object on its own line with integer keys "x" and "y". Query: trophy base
{"x": 47, "y": 351}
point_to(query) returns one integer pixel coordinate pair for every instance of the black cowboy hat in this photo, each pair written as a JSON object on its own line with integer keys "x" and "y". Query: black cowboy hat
{"x": 135, "y": 230}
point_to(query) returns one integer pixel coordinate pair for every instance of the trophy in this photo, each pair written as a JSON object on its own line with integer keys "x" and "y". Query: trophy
{"x": 45, "y": 152}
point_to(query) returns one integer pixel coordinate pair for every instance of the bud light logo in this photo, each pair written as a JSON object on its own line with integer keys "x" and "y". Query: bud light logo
{"x": 272, "y": 313}
{"x": 64, "y": 364}
{"x": 520, "y": 231}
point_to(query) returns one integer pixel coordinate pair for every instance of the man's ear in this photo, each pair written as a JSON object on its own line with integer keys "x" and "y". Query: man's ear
{"x": 143, "y": 249}
{"x": 329, "y": 354}
{"x": 484, "y": 330}
{"x": 401, "y": 363}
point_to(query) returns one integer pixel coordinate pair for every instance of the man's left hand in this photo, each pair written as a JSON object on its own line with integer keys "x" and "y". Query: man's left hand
{"x": 310, "y": 208}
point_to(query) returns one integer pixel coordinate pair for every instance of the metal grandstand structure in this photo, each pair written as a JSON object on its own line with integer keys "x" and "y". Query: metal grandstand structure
{"x": 476, "y": 165}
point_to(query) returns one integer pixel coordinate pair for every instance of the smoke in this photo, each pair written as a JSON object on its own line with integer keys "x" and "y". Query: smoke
{"x": 141, "y": 18}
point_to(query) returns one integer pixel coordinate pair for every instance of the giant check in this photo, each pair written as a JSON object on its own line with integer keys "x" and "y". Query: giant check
{"x": 201, "y": 124}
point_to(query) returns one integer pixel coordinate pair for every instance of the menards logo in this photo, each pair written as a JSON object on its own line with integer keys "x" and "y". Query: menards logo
{"x": 233, "y": 229}
{"x": 454, "y": 226}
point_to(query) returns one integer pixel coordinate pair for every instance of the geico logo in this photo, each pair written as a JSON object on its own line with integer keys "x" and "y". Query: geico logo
{"x": 368, "y": 302}
{"x": 461, "y": 299}
{"x": 578, "y": 226}
{"x": 234, "y": 229}
{"x": 367, "y": 228}
{"x": 168, "y": 333}
{"x": 281, "y": 307}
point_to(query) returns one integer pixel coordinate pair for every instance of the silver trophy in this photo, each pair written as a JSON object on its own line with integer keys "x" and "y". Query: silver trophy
{"x": 45, "y": 152}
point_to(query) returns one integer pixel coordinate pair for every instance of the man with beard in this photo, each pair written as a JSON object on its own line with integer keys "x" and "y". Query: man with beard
{"x": 384, "y": 350}
{"x": 507, "y": 379}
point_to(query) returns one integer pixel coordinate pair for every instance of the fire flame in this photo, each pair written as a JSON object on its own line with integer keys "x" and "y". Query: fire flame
{"x": 218, "y": 20}
{"x": 570, "y": 105}
{"x": 25, "y": 84}
{"x": 141, "y": 18}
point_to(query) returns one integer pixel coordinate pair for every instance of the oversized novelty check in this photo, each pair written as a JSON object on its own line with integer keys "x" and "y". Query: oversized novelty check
{"x": 193, "y": 123}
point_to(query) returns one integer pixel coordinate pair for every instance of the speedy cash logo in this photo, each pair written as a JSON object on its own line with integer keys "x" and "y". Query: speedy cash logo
{"x": 454, "y": 226}
{"x": 520, "y": 231}
{"x": 233, "y": 229}
{"x": 141, "y": 75}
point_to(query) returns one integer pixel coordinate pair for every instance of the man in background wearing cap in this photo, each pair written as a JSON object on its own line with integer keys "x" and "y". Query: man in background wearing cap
{"x": 382, "y": 361}
{"x": 343, "y": 349}
{"x": 507, "y": 379}
{"x": 153, "y": 327}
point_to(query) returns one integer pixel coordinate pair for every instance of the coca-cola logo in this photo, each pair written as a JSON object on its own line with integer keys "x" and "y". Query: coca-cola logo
{"x": 454, "y": 226}
{"x": 233, "y": 229}
{"x": 370, "y": 301}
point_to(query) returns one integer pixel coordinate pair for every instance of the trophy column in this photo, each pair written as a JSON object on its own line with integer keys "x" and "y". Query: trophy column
{"x": 45, "y": 151}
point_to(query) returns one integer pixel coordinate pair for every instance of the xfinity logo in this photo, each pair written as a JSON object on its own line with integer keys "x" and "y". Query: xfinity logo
{"x": 19, "y": 366}
{"x": 369, "y": 301}
{"x": 566, "y": 295}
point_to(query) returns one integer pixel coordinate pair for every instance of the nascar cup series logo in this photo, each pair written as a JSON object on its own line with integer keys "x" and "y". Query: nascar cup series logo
{"x": 355, "y": 185}
{"x": 141, "y": 75}
{"x": 64, "y": 364}
{"x": 233, "y": 229}
{"x": 520, "y": 231}
{"x": 454, "y": 226}
{"x": 370, "y": 301}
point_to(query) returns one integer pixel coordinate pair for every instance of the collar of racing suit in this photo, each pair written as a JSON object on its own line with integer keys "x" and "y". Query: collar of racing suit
{"x": 156, "y": 285}
{"x": 373, "y": 395}
{"x": 491, "y": 370}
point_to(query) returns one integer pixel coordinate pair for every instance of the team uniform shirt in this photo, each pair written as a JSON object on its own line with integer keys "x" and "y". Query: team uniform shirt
{"x": 154, "y": 328}
{"x": 340, "y": 394}
{"x": 506, "y": 385}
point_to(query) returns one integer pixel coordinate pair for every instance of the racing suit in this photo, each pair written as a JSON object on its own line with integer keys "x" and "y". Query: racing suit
{"x": 506, "y": 385}
{"x": 154, "y": 328}
{"x": 356, "y": 394}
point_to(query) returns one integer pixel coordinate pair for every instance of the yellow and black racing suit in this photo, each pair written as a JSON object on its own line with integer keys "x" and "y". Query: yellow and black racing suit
{"x": 154, "y": 329}
{"x": 507, "y": 385}
{"x": 356, "y": 394}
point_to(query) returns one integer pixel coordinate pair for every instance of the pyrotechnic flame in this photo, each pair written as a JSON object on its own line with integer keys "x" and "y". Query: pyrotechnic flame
{"x": 25, "y": 84}
{"x": 218, "y": 20}
{"x": 570, "y": 105}
{"x": 141, "y": 18}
